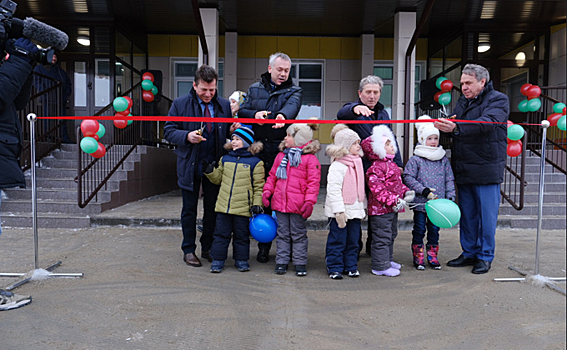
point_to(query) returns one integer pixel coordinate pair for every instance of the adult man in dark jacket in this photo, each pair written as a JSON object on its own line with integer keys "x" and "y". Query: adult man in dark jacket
{"x": 198, "y": 141}
{"x": 15, "y": 89}
{"x": 273, "y": 97}
{"x": 478, "y": 159}
{"x": 368, "y": 108}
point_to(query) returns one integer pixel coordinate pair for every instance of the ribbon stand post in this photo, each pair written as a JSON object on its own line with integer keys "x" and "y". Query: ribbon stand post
{"x": 32, "y": 119}
{"x": 537, "y": 279}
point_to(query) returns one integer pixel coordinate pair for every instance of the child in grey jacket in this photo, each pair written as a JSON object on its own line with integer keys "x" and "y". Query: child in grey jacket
{"x": 429, "y": 174}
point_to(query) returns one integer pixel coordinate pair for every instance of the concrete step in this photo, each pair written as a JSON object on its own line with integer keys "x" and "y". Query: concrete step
{"x": 72, "y": 173}
{"x": 548, "y": 187}
{"x": 548, "y": 177}
{"x": 549, "y": 222}
{"x": 533, "y": 209}
{"x": 68, "y": 183}
{"x": 45, "y": 220}
{"x": 56, "y": 163}
{"x": 50, "y": 206}
{"x": 548, "y": 197}
{"x": 53, "y": 194}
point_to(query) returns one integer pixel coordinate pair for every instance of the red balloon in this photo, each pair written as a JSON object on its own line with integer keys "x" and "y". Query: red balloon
{"x": 514, "y": 148}
{"x": 122, "y": 114}
{"x": 510, "y": 123}
{"x": 148, "y": 75}
{"x": 564, "y": 110}
{"x": 120, "y": 124}
{"x": 89, "y": 127}
{"x": 554, "y": 118}
{"x": 524, "y": 89}
{"x": 95, "y": 136}
{"x": 534, "y": 91}
{"x": 436, "y": 97}
{"x": 147, "y": 96}
{"x": 130, "y": 102}
{"x": 446, "y": 85}
{"x": 100, "y": 152}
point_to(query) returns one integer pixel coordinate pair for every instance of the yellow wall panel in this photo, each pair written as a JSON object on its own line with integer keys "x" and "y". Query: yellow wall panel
{"x": 421, "y": 50}
{"x": 330, "y": 48}
{"x": 378, "y": 48}
{"x": 288, "y": 45}
{"x": 194, "y": 46}
{"x": 308, "y": 47}
{"x": 350, "y": 48}
{"x": 266, "y": 45}
{"x": 158, "y": 45}
{"x": 388, "y": 50}
{"x": 325, "y": 133}
{"x": 221, "y": 45}
{"x": 246, "y": 46}
{"x": 180, "y": 46}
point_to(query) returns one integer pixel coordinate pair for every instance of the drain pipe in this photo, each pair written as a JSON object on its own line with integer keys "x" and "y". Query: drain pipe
{"x": 411, "y": 46}
{"x": 201, "y": 31}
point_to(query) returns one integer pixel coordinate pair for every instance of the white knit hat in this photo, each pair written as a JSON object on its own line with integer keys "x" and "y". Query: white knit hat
{"x": 301, "y": 133}
{"x": 380, "y": 135}
{"x": 424, "y": 130}
{"x": 344, "y": 136}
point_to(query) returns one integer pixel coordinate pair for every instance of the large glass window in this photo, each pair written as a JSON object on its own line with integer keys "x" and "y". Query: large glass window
{"x": 385, "y": 70}
{"x": 183, "y": 76}
{"x": 102, "y": 82}
{"x": 309, "y": 76}
{"x": 80, "y": 84}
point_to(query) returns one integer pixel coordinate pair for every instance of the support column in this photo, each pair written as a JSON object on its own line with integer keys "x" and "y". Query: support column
{"x": 367, "y": 67}
{"x": 230, "y": 62}
{"x": 404, "y": 27}
{"x": 210, "y": 19}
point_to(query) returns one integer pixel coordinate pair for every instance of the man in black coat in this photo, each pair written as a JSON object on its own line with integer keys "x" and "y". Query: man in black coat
{"x": 197, "y": 142}
{"x": 273, "y": 97}
{"x": 478, "y": 158}
{"x": 15, "y": 89}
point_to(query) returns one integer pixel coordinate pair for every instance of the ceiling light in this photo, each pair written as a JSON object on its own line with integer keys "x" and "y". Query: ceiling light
{"x": 520, "y": 56}
{"x": 483, "y": 47}
{"x": 84, "y": 40}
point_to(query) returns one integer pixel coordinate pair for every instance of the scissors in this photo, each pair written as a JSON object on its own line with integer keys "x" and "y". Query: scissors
{"x": 201, "y": 130}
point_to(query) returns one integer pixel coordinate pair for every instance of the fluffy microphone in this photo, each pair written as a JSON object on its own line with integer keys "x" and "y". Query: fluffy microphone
{"x": 45, "y": 34}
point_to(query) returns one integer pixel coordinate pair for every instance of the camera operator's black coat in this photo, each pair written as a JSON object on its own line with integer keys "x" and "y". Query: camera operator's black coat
{"x": 15, "y": 88}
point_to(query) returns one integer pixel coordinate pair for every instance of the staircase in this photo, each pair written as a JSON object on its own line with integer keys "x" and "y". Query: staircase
{"x": 554, "y": 199}
{"x": 57, "y": 190}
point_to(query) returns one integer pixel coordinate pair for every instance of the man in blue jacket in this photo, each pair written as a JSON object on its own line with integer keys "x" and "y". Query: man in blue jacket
{"x": 15, "y": 89}
{"x": 273, "y": 97}
{"x": 198, "y": 141}
{"x": 478, "y": 158}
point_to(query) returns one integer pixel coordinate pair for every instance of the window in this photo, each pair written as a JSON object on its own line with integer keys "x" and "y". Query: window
{"x": 309, "y": 76}
{"x": 386, "y": 72}
{"x": 184, "y": 75}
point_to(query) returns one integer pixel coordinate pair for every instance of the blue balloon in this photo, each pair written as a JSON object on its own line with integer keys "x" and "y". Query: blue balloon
{"x": 263, "y": 228}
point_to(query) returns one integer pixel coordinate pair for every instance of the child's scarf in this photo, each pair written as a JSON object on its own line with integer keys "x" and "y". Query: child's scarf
{"x": 353, "y": 184}
{"x": 431, "y": 153}
{"x": 293, "y": 155}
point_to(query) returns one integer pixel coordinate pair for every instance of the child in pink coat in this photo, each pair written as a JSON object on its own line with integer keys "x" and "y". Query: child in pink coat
{"x": 293, "y": 186}
{"x": 387, "y": 196}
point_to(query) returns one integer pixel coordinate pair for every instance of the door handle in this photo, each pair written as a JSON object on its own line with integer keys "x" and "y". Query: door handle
{"x": 90, "y": 86}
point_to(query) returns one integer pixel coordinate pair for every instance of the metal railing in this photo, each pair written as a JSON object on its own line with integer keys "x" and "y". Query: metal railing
{"x": 94, "y": 174}
{"x": 48, "y": 132}
{"x": 556, "y": 150}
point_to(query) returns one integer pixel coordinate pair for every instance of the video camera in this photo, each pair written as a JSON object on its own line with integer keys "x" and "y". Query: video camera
{"x": 32, "y": 29}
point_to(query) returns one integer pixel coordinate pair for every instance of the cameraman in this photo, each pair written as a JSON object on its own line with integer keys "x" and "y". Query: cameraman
{"x": 15, "y": 83}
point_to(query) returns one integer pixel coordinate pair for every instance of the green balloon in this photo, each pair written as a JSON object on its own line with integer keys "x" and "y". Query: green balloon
{"x": 130, "y": 121}
{"x": 515, "y": 132}
{"x": 101, "y": 130}
{"x": 120, "y": 104}
{"x": 147, "y": 85}
{"x": 154, "y": 90}
{"x": 561, "y": 123}
{"x": 439, "y": 81}
{"x": 445, "y": 98}
{"x": 534, "y": 104}
{"x": 443, "y": 213}
{"x": 89, "y": 145}
{"x": 558, "y": 107}
{"x": 523, "y": 106}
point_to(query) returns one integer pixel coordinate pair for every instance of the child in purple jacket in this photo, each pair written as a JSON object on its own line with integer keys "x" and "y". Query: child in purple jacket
{"x": 429, "y": 174}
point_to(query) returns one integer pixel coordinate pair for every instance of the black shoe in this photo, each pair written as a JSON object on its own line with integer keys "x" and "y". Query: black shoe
{"x": 281, "y": 269}
{"x": 207, "y": 256}
{"x": 300, "y": 270}
{"x": 461, "y": 261}
{"x": 263, "y": 256}
{"x": 481, "y": 266}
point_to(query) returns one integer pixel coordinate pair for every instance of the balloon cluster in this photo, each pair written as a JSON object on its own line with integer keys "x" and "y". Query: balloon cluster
{"x": 532, "y": 103}
{"x": 557, "y": 118}
{"x": 149, "y": 90}
{"x": 122, "y": 107}
{"x": 515, "y": 134}
{"x": 92, "y": 131}
{"x": 443, "y": 97}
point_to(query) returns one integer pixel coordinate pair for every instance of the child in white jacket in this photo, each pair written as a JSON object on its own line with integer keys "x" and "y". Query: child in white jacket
{"x": 345, "y": 203}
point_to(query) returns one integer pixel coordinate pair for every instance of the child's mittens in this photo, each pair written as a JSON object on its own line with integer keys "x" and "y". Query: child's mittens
{"x": 307, "y": 210}
{"x": 428, "y": 193}
{"x": 341, "y": 219}
{"x": 256, "y": 209}
{"x": 400, "y": 204}
{"x": 409, "y": 196}
{"x": 266, "y": 199}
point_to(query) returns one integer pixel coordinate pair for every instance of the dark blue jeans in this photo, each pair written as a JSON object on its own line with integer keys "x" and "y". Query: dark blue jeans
{"x": 231, "y": 225}
{"x": 420, "y": 224}
{"x": 342, "y": 246}
{"x": 189, "y": 215}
